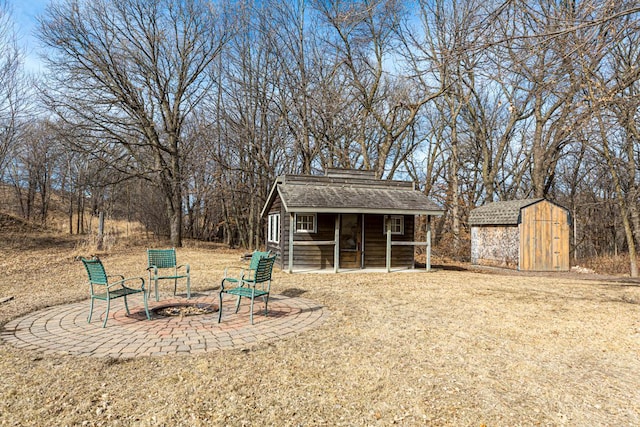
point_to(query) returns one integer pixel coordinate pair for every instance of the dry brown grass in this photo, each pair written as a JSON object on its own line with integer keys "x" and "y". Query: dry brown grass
{"x": 444, "y": 348}
{"x": 608, "y": 264}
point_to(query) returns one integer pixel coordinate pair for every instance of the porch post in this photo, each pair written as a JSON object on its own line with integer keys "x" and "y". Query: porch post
{"x": 362, "y": 242}
{"x": 388, "y": 249}
{"x": 428, "y": 260}
{"x": 292, "y": 225}
{"x": 336, "y": 246}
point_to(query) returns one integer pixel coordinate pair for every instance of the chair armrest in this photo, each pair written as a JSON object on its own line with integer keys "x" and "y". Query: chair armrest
{"x": 186, "y": 266}
{"x": 237, "y": 276}
{"x": 115, "y": 275}
{"x": 252, "y": 284}
{"x": 250, "y": 272}
{"x": 249, "y": 283}
{"x": 238, "y": 273}
{"x": 123, "y": 281}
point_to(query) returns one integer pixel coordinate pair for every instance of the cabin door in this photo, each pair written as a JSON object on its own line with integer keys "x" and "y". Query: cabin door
{"x": 350, "y": 241}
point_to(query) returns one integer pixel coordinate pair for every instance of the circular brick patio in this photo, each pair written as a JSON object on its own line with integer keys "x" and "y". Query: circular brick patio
{"x": 64, "y": 329}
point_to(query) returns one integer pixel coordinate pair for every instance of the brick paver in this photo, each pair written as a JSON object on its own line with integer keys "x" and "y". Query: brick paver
{"x": 64, "y": 329}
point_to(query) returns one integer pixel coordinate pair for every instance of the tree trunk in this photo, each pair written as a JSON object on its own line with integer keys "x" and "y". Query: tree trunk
{"x": 620, "y": 198}
{"x": 174, "y": 213}
{"x": 100, "y": 231}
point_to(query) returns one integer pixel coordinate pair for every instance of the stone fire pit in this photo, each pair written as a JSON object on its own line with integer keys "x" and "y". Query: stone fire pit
{"x": 185, "y": 309}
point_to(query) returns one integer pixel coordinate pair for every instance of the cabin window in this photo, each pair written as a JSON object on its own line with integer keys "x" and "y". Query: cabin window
{"x": 395, "y": 223}
{"x": 273, "y": 231}
{"x": 305, "y": 223}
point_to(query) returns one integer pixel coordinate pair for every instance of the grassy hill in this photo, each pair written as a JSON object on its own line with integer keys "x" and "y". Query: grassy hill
{"x": 10, "y": 223}
{"x": 14, "y": 227}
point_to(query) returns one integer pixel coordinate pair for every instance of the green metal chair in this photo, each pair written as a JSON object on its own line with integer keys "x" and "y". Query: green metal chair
{"x": 252, "y": 283}
{"x": 101, "y": 289}
{"x": 233, "y": 275}
{"x": 161, "y": 260}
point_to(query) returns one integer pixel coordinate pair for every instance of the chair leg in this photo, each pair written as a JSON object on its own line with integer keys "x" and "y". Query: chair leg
{"x": 238, "y": 304}
{"x": 175, "y": 286}
{"x": 106, "y": 315}
{"x": 146, "y": 305}
{"x": 251, "y": 311}
{"x": 155, "y": 281}
{"x": 220, "y": 308}
{"x": 188, "y": 287}
{"x": 126, "y": 306}
{"x": 90, "y": 311}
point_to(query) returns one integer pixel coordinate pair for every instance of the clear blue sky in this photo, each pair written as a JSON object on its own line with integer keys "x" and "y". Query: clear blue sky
{"x": 25, "y": 13}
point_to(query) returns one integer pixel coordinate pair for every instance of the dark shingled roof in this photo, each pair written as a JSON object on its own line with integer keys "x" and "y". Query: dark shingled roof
{"x": 500, "y": 213}
{"x": 350, "y": 193}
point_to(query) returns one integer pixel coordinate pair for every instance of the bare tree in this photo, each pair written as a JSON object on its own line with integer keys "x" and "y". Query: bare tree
{"x": 611, "y": 79}
{"x": 364, "y": 35}
{"x": 12, "y": 85}
{"x": 129, "y": 73}
{"x": 250, "y": 142}
{"x": 34, "y": 165}
{"x": 288, "y": 36}
{"x": 545, "y": 68}
{"x": 625, "y": 105}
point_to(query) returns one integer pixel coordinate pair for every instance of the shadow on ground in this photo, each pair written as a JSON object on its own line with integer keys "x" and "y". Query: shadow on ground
{"x": 292, "y": 292}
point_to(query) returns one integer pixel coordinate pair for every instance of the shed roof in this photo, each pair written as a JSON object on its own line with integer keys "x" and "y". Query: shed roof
{"x": 500, "y": 213}
{"x": 343, "y": 191}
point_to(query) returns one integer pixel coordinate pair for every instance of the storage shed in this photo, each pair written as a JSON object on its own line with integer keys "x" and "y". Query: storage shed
{"x": 345, "y": 220}
{"x": 529, "y": 234}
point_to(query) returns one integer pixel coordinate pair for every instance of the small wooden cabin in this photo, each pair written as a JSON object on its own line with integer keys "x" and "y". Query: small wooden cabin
{"x": 345, "y": 220}
{"x": 530, "y": 235}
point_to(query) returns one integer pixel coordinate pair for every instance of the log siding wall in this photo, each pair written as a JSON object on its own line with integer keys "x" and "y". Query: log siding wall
{"x": 314, "y": 256}
{"x": 375, "y": 243}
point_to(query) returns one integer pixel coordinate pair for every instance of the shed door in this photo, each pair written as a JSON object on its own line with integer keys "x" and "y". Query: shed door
{"x": 544, "y": 238}
{"x": 350, "y": 241}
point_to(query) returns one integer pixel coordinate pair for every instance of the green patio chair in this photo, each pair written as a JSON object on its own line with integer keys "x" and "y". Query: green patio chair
{"x": 233, "y": 275}
{"x": 101, "y": 288}
{"x": 252, "y": 283}
{"x": 161, "y": 265}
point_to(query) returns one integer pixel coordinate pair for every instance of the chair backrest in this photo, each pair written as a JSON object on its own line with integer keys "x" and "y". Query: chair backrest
{"x": 264, "y": 269}
{"x": 255, "y": 257}
{"x": 95, "y": 270}
{"x": 161, "y": 258}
